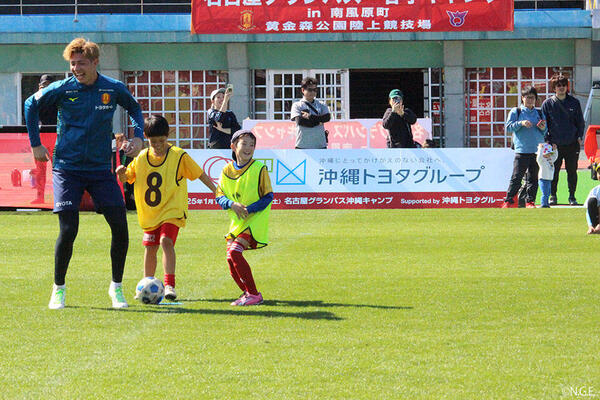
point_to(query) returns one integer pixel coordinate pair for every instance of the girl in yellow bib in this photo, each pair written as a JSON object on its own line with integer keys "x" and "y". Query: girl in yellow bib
{"x": 161, "y": 197}
{"x": 245, "y": 191}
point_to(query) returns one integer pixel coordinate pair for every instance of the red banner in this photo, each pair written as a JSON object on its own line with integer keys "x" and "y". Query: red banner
{"x": 327, "y": 16}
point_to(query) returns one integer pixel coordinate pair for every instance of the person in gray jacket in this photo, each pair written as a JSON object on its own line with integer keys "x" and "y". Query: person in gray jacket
{"x": 310, "y": 116}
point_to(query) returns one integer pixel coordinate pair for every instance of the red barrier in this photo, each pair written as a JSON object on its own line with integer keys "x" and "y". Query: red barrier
{"x": 23, "y": 181}
{"x": 590, "y": 145}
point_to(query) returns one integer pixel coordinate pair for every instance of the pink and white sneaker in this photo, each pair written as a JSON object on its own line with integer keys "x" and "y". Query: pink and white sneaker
{"x": 252, "y": 300}
{"x": 240, "y": 299}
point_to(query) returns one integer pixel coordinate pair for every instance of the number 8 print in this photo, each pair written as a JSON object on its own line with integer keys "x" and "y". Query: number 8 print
{"x": 153, "y": 188}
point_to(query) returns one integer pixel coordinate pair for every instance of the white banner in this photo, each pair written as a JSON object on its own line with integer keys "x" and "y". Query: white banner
{"x": 373, "y": 170}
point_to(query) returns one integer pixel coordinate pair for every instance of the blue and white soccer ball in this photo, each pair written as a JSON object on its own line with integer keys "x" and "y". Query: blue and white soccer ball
{"x": 150, "y": 290}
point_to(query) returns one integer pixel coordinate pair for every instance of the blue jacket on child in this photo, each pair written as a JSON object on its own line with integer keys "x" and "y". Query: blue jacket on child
{"x": 525, "y": 140}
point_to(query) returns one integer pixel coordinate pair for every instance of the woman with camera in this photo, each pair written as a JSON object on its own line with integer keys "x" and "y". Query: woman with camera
{"x": 221, "y": 121}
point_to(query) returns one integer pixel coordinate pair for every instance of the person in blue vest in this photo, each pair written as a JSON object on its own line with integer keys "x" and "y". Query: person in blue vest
{"x": 528, "y": 127}
{"x": 82, "y": 157}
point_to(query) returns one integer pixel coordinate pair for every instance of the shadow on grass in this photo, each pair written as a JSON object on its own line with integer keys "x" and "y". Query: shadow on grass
{"x": 254, "y": 311}
{"x": 308, "y": 303}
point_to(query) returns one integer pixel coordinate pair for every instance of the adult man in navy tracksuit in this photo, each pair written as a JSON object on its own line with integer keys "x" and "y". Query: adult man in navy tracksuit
{"x": 565, "y": 129}
{"x": 82, "y": 157}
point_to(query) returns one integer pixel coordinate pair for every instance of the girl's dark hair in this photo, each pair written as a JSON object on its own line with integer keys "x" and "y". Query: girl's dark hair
{"x": 527, "y": 90}
{"x": 156, "y": 125}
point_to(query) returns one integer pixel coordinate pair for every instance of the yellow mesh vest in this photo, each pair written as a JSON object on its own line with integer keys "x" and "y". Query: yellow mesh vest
{"x": 158, "y": 194}
{"x": 244, "y": 189}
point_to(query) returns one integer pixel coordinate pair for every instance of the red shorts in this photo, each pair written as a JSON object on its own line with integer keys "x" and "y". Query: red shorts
{"x": 248, "y": 238}
{"x": 152, "y": 238}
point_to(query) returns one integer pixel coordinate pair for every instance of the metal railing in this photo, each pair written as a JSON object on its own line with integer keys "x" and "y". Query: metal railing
{"x": 549, "y": 4}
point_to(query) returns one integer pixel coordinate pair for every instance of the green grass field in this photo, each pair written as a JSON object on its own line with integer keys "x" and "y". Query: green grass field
{"x": 385, "y": 304}
{"x": 584, "y": 185}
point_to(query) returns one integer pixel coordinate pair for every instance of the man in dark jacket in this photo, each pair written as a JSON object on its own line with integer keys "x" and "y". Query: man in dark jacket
{"x": 397, "y": 120}
{"x": 47, "y": 114}
{"x": 565, "y": 129}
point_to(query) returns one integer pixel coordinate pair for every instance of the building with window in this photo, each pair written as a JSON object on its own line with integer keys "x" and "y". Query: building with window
{"x": 465, "y": 81}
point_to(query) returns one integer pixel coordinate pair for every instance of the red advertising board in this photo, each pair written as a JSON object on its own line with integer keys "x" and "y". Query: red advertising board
{"x": 23, "y": 181}
{"x": 343, "y": 134}
{"x": 327, "y": 16}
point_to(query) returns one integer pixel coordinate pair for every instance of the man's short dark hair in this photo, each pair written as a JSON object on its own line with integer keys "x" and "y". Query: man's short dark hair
{"x": 309, "y": 81}
{"x": 156, "y": 125}
{"x": 558, "y": 79}
{"x": 529, "y": 90}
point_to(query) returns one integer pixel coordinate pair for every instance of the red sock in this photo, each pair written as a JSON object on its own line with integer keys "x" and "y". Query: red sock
{"x": 243, "y": 269}
{"x": 233, "y": 271}
{"x": 170, "y": 279}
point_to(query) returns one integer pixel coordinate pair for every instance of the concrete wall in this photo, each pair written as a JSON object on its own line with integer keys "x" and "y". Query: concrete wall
{"x": 9, "y": 101}
{"x": 454, "y": 90}
{"x": 240, "y": 58}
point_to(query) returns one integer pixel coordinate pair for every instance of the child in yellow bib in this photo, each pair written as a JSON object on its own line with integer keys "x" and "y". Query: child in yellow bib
{"x": 160, "y": 173}
{"x": 245, "y": 192}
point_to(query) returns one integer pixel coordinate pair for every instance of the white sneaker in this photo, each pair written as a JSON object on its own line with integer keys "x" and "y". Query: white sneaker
{"x": 116, "y": 294}
{"x": 57, "y": 300}
{"x": 170, "y": 293}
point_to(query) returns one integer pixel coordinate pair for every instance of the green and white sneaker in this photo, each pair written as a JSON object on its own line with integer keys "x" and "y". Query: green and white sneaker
{"x": 115, "y": 291}
{"x": 57, "y": 300}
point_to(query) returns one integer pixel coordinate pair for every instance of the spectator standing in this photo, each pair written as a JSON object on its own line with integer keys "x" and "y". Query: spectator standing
{"x": 565, "y": 129}
{"x": 546, "y": 157}
{"x": 398, "y": 120}
{"x": 48, "y": 116}
{"x": 310, "y": 115}
{"x": 528, "y": 127}
{"x": 221, "y": 121}
{"x": 87, "y": 102}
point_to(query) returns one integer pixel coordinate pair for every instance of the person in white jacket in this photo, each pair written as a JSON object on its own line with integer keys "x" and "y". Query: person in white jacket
{"x": 546, "y": 156}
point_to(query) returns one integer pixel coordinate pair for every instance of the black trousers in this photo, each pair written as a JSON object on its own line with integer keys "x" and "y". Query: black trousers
{"x": 523, "y": 165}
{"x": 569, "y": 153}
{"x": 592, "y": 207}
